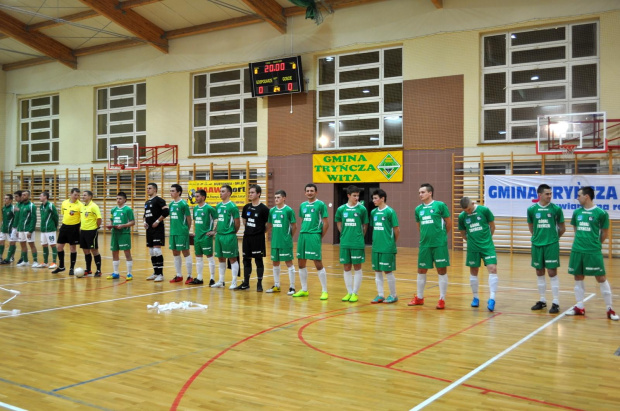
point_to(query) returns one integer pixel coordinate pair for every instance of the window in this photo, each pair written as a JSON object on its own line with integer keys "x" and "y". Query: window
{"x": 527, "y": 74}
{"x": 360, "y": 100}
{"x": 121, "y": 117}
{"x": 39, "y": 129}
{"x": 224, "y": 113}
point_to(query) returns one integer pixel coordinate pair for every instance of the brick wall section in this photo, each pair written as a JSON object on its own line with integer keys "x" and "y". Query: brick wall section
{"x": 291, "y": 133}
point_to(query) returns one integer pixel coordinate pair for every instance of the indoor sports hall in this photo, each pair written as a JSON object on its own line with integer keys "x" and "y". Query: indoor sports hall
{"x": 482, "y": 99}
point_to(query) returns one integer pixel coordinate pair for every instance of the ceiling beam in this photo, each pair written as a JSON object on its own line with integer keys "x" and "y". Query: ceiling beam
{"x": 131, "y": 21}
{"x": 26, "y": 63}
{"x": 271, "y": 11}
{"x": 334, "y": 4}
{"x": 37, "y": 41}
{"x": 101, "y": 48}
{"x": 438, "y": 4}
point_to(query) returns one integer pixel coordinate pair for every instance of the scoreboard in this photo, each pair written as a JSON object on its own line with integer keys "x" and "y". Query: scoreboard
{"x": 280, "y": 76}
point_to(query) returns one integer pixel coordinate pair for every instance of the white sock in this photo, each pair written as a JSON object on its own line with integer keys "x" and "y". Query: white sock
{"x": 606, "y": 291}
{"x": 116, "y": 266}
{"x": 443, "y": 286}
{"x": 222, "y": 273}
{"x": 493, "y": 280}
{"x": 129, "y": 264}
{"x": 211, "y": 266}
{"x": 542, "y": 287}
{"x": 323, "y": 279}
{"x": 200, "y": 265}
{"x": 303, "y": 278}
{"x": 357, "y": 281}
{"x": 580, "y": 293}
{"x": 291, "y": 276}
{"x": 235, "y": 270}
{"x": 391, "y": 280}
{"x": 474, "y": 283}
{"x": 188, "y": 265}
{"x": 276, "y": 276}
{"x": 348, "y": 281}
{"x": 555, "y": 289}
{"x": 379, "y": 283}
{"x": 421, "y": 285}
{"x": 178, "y": 263}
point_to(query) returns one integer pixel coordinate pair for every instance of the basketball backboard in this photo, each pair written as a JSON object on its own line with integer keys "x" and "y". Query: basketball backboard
{"x": 580, "y": 132}
{"x": 124, "y": 157}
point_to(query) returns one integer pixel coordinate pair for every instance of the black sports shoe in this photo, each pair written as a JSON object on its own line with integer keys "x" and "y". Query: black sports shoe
{"x": 539, "y": 306}
{"x": 554, "y": 309}
{"x": 98, "y": 273}
{"x": 259, "y": 287}
{"x": 211, "y": 282}
{"x": 196, "y": 281}
{"x": 243, "y": 286}
{"x": 3, "y": 262}
{"x": 60, "y": 270}
{"x": 21, "y": 260}
{"x": 70, "y": 271}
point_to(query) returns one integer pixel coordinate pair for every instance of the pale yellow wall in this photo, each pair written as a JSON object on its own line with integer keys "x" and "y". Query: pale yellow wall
{"x": 3, "y": 125}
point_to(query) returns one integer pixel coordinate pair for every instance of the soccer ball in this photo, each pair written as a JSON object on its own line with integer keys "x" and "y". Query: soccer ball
{"x": 79, "y": 272}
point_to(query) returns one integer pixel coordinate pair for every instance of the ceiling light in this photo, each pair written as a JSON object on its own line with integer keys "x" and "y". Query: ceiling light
{"x": 534, "y": 78}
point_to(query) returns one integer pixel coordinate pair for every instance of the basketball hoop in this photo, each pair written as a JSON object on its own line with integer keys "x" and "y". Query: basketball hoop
{"x": 568, "y": 150}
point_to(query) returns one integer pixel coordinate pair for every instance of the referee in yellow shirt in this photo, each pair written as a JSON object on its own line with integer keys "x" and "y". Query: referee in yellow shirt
{"x": 69, "y": 232}
{"x": 91, "y": 221}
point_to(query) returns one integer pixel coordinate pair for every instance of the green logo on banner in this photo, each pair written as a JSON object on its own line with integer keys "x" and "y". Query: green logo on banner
{"x": 388, "y": 166}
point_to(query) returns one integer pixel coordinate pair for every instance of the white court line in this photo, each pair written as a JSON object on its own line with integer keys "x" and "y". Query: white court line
{"x": 461, "y": 380}
{"x": 11, "y": 407}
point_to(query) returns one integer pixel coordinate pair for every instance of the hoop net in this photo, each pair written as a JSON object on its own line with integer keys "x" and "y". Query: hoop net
{"x": 568, "y": 150}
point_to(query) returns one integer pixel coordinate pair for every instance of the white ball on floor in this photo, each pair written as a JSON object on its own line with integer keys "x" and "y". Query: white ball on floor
{"x": 78, "y": 272}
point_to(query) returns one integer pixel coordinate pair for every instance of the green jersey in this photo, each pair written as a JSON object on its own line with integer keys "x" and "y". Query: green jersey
{"x": 588, "y": 225}
{"x": 476, "y": 224}
{"x": 383, "y": 223}
{"x": 226, "y": 215}
{"x": 430, "y": 217}
{"x": 545, "y": 220}
{"x": 122, "y": 215}
{"x": 179, "y": 211}
{"x": 312, "y": 215}
{"x": 15, "y": 222}
{"x": 204, "y": 220}
{"x": 27, "y": 217}
{"x": 8, "y": 215}
{"x": 49, "y": 217}
{"x": 352, "y": 221}
{"x": 281, "y": 220}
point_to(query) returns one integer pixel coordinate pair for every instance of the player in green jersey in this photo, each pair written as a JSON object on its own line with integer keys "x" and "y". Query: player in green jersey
{"x": 385, "y": 233}
{"x": 546, "y": 223}
{"x": 8, "y": 215}
{"x": 121, "y": 219}
{"x": 477, "y": 225}
{"x": 314, "y": 225}
{"x": 591, "y": 225}
{"x": 434, "y": 223}
{"x": 49, "y": 226}
{"x": 25, "y": 229}
{"x": 226, "y": 243}
{"x": 180, "y": 223}
{"x": 282, "y": 226}
{"x": 352, "y": 221}
{"x": 205, "y": 220}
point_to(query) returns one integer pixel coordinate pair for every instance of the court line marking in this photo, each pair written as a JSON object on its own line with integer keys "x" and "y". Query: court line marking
{"x": 11, "y": 407}
{"x": 481, "y": 367}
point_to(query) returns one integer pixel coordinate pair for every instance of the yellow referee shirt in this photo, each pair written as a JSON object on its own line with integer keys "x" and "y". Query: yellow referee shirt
{"x": 90, "y": 215}
{"x": 71, "y": 212}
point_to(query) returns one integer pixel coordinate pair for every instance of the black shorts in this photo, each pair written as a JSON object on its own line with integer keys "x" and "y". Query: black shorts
{"x": 254, "y": 246}
{"x": 156, "y": 237}
{"x": 89, "y": 239}
{"x": 69, "y": 234}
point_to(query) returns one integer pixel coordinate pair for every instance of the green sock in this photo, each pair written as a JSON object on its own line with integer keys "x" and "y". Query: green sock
{"x": 1, "y": 251}
{"x": 11, "y": 253}
{"x": 46, "y": 253}
{"x": 34, "y": 256}
{"x": 25, "y": 256}
{"x": 54, "y": 254}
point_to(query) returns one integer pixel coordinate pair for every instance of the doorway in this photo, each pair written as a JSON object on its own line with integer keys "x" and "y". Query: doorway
{"x": 340, "y": 195}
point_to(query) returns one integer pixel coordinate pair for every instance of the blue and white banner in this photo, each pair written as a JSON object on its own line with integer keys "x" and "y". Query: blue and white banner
{"x": 510, "y": 196}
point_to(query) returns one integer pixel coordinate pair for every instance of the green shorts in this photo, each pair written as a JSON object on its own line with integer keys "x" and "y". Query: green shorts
{"x": 282, "y": 254}
{"x": 179, "y": 242}
{"x": 474, "y": 257}
{"x": 586, "y": 263}
{"x": 546, "y": 256}
{"x": 439, "y": 256}
{"x": 383, "y": 262}
{"x": 226, "y": 246}
{"x": 204, "y": 246}
{"x": 309, "y": 246}
{"x": 352, "y": 256}
{"x": 120, "y": 241}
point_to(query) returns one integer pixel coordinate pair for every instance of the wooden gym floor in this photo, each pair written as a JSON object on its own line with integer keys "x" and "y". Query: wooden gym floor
{"x": 92, "y": 343}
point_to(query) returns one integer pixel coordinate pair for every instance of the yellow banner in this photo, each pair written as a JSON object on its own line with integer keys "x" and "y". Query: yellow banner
{"x": 368, "y": 167}
{"x": 212, "y": 187}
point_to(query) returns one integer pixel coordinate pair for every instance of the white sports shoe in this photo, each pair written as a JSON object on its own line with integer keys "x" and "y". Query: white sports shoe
{"x": 159, "y": 278}
{"x": 218, "y": 285}
{"x": 42, "y": 265}
{"x": 151, "y": 277}
{"x": 22, "y": 264}
{"x": 52, "y": 266}
{"x": 291, "y": 291}
{"x": 233, "y": 286}
{"x": 36, "y": 265}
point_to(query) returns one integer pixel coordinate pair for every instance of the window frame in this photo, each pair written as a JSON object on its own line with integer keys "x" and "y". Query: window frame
{"x": 51, "y": 140}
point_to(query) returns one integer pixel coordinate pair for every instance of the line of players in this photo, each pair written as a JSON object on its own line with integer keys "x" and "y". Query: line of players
{"x": 215, "y": 233}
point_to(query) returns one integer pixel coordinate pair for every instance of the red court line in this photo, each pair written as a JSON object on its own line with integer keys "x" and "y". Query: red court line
{"x": 388, "y": 367}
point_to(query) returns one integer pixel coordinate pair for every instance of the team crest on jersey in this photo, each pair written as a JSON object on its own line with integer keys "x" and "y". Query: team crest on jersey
{"x": 580, "y": 217}
{"x": 355, "y": 214}
{"x": 537, "y": 215}
{"x": 549, "y": 215}
{"x": 346, "y": 215}
{"x": 249, "y": 213}
{"x": 479, "y": 218}
{"x": 305, "y": 209}
{"x": 468, "y": 221}
{"x": 422, "y": 212}
{"x": 376, "y": 218}
{"x": 432, "y": 211}
{"x": 255, "y": 214}
{"x": 590, "y": 218}
{"x": 383, "y": 218}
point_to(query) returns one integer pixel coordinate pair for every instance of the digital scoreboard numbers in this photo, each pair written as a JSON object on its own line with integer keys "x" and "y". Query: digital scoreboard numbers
{"x": 280, "y": 76}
